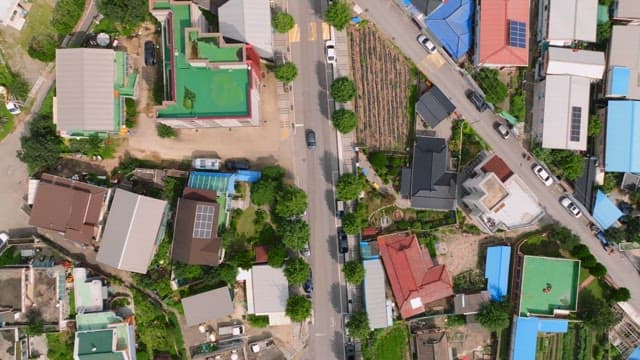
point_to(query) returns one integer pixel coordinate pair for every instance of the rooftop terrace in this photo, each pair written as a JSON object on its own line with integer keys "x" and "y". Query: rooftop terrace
{"x": 549, "y": 284}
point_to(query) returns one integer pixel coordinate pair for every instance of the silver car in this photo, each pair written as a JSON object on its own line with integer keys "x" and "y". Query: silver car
{"x": 570, "y": 206}
{"x": 427, "y": 44}
{"x": 543, "y": 174}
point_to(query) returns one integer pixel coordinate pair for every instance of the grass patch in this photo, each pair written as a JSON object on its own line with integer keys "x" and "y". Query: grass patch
{"x": 245, "y": 222}
{"x": 60, "y": 346}
{"x": 472, "y": 144}
{"x": 11, "y": 256}
{"x": 597, "y": 288}
{"x": 388, "y": 344}
{"x": 6, "y": 127}
{"x": 38, "y": 22}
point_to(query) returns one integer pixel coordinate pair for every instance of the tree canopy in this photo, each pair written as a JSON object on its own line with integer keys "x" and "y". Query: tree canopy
{"x": 227, "y": 273}
{"x": 358, "y": 325}
{"x": 620, "y": 294}
{"x": 277, "y": 256}
{"x": 351, "y": 224}
{"x": 344, "y": 120}
{"x": 353, "y": 272}
{"x": 349, "y": 186}
{"x": 290, "y": 201}
{"x": 297, "y": 271}
{"x": 41, "y": 149}
{"x": 494, "y": 315}
{"x": 286, "y": 72}
{"x": 595, "y": 312}
{"x": 595, "y": 126}
{"x": 43, "y": 47}
{"x": 128, "y": 13}
{"x": 495, "y": 90}
{"x": 598, "y": 270}
{"x": 264, "y": 191}
{"x": 338, "y": 15}
{"x": 295, "y": 233}
{"x": 298, "y": 308}
{"x": 273, "y": 172}
{"x": 615, "y": 235}
{"x": 66, "y": 14}
{"x": 282, "y": 22}
{"x": 343, "y": 89}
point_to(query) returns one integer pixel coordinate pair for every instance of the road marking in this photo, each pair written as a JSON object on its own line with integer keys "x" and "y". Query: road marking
{"x": 294, "y": 34}
{"x": 284, "y": 133}
{"x": 433, "y": 60}
{"x": 313, "y": 30}
{"x": 326, "y": 31}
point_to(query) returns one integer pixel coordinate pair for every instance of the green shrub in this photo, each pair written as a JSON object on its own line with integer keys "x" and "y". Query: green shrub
{"x": 286, "y": 72}
{"x": 165, "y": 131}
{"x": 259, "y": 321}
{"x": 345, "y": 121}
{"x": 42, "y": 47}
{"x": 131, "y": 112}
{"x": 338, "y": 14}
{"x": 494, "y": 89}
{"x": 343, "y": 90}
{"x": 66, "y": 14}
{"x": 517, "y": 107}
{"x": 282, "y": 22}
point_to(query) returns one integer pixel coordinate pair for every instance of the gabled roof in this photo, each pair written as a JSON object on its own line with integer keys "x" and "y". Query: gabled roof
{"x": 623, "y": 53}
{"x": 497, "y": 271}
{"x": 452, "y": 24}
{"x": 494, "y": 48}
{"x": 206, "y": 306}
{"x": 131, "y": 232}
{"x": 525, "y": 334}
{"x": 245, "y": 20}
{"x": 586, "y": 63}
{"x": 414, "y": 279}
{"x": 571, "y": 20}
{"x": 434, "y": 106}
{"x": 566, "y": 97}
{"x": 605, "y": 212}
{"x": 432, "y": 186}
{"x": 622, "y": 151}
{"x": 374, "y": 293}
{"x": 431, "y": 345}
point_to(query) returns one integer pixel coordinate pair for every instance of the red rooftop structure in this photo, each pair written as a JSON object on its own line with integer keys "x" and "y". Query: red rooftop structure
{"x": 415, "y": 280}
{"x": 503, "y": 33}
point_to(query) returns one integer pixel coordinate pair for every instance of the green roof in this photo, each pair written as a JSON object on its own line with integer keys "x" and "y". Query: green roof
{"x": 94, "y": 342}
{"x": 160, "y": 5}
{"x": 96, "y": 321}
{"x": 549, "y": 284}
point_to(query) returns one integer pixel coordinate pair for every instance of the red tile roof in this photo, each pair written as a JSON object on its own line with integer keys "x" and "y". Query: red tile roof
{"x": 493, "y": 38}
{"x": 499, "y": 167}
{"x": 412, "y": 274}
{"x": 262, "y": 255}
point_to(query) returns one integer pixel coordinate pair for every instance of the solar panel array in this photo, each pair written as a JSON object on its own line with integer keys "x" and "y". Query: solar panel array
{"x": 517, "y": 34}
{"x": 576, "y": 118}
{"x": 203, "y": 224}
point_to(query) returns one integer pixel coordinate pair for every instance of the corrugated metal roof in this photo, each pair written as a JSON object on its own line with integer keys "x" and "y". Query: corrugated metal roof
{"x": 573, "y": 20}
{"x": 497, "y": 271}
{"x": 206, "y": 306}
{"x": 270, "y": 289}
{"x": 493, "y": 38}
{"x": 619, "y": 81}
{"x": 374, "y": 293}
{"x": 625, "y": 52}
{"x": 622, "y": 152}
{"x": 563, "y": 93}
{"x": 84, "y": 89}
{"x": 525, "y": 333}
{"x": 563, "y": 61}
{"x": 248, "y": 21}
{"x": 627, "y": 9}
{"x": 452, "y": 24}
{"x": 605, "y": 212}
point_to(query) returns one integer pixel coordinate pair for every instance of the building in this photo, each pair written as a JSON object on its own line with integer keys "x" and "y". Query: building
{"x": 207, "y": 306}
{"x": 415, "y": 280}
{"x": 499, "y": 199}
{"x": 134, "y": 228}
{"x": 434, "y": 106}
{"x": 14, "y": 13}
{"x": 625, "y": 335}
{"x": 469, "y": 304}
{"x": 431, "y": 345}
{"x": 576, "y": 62}
{"x": 626, "y": 11}
{"x": 605, "y": 212}
{"x": 91, "y": 85}
{"x": 623, "y": 66}
{"x": 375, "y": 300}
{"x": 89, "y": 293}
{"x": 429, "y": 184}
{"x": 195, "y": 231}
{"x": 72, "y": 208}
{"x": 267, "y": 291}
{"x": 245, "y": 21}
{"x": 425, "y": 7}
{"x": 209, "y": 81}
{"x": 452, "y": 23}
{"x": 103, "y": 335}
{"x": 497, "y": 271}
{"x": 585, "y": 184}
{"x": 622, "y": 147}
{"x": 525, "y": 332}
{"x": 564, "y": 21}
{"x": 13, "y": 294}
{"x": 503, "y": 33}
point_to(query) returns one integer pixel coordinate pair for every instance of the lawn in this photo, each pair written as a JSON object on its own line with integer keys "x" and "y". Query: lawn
{"x": 389, "y": 344}
{"x": 60, "y": 346}
{"x": 5, "y": 126}
{"x": 38, "y": 22}
{"x": 10, "y": 257}
{"x": 245, "y": 225}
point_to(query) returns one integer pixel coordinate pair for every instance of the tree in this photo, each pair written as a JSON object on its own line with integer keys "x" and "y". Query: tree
{"x": 615, "y": 235}
{"x": 353, "y": 272}
{"x": 295, "y": 233}
{"x": 273, "y": 172}
{"x": 127, "y": 13}
{"x": 263, "y": 192}
{"x": 66, "y": 14}
{"x": 598, "y": 270}
{"x": 379, "y": 161}
{"x": 41, "y": 149}
{"x": 349, "y": 186}
{"x": 358, "y": 325}
{"x": 611, "y": 182}
{"x": 344, "y": 120}
{"x": 298, "y": 308}
{"x": 495, "y": 90}
{"x": 338, "y": 15}
{"x": 595, "y": 312}
{"x": 580, "y": 251}
{"x": 227, "y": 273}
{"x": 563, "y": 236}
{"x": 42, "y": 47}
{"x": 286, "y": 72}
{"x": 634, "y": 197}
{"x": 290, "y": 201}
{"x": 343, "y": 90}
{"x": 277, "y": 256}
{"x": 242, "y": 258}
{"x": 282, "y": 22}
{"x": 589, "y": 261}
{"x": 351, "y": 224}
{"x": 297, "y": 271}
{"x": 494, "y": 315}
{"x": 633, "y": 229}
{"x": 619, "y": 294}
{"x": 571, "y": 164}
{"x": 259, "y": 321}
{"x": 165, "y": 131}
{"x": 595, "y": 126}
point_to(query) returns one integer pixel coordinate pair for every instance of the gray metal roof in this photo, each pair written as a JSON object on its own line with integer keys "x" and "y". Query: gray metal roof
{"x": 583, "y": 190}
{"x": 84, "y": 89}
{"x": 432, "y": 186}
{"x": 434, "y": 106}
{"x": 130, "y": 235}
{"x": 248, "y": 21}
{"x": 374, "y": 293}
{"x": 270, "y": 289}
{"x": 206, "y": 306}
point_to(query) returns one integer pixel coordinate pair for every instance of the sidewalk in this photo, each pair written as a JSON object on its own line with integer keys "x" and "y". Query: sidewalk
{"x": 282, "y": 54}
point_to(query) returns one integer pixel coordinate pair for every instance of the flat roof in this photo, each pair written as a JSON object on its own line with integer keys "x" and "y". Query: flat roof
{"x": 605, "y": 212}
{"x": 627, "y": 9}
{"x": 96, "y": 320}
{"x": 525, "y": 334}
{"x": 374, "y": 293}
{"x": 88, "y": 294}
{"x": 206, "y": 306}
{"x": 497, "y": 271}
{"x": 573, "y": 20}
{"x": 549, "y": 284}
{"x": 624, "y": 51}
{"x": 566, "y": 112}
{"x": 270, "y": 289}
{"x": 578, "y": 62}
{"x": 622, "y": 149}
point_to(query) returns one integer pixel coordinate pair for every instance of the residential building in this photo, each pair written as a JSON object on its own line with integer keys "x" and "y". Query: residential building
{"x": 209, "y": 82}
{"x": 415, "y": 280}
{"x": 562, "y": 22}
{"x": 605, "y": 212}
{"x": 497, "y": 271}
{"x": 452, "y": 24}
{"x": 469, "y": 304}
{"x": 525, "y": 334}
{"x": 14, "y": 13}
{"x": 426, "y": 7}
{"x": 375, "y": 299}
{"x": 195, "y": 231}
{"x": 622, "y": 147}
{"x": 207, "y": 306}
{"x": 71, "y": 208}
{"x": 622, "y": 71}
{"x": 91, "y": 85}
{"x": 576, "y": 62}
{"x": 627, "y": 11}
{"x": 429, "y": 183}
{"x": 431, "y": 345}
{"x": 499, "y": 199}
{"x": 90, "y": 293}
{"x": 245, "y": 21}
{"x": 267, "y": 291}
{"x": 134, "y": 228}
{"x": 434, "y": 106}
{"x": 104, "y": 335}
{"x": 502, "y": 33}
{"x": 625, "y": 335}
{"x": 585, "y": 184}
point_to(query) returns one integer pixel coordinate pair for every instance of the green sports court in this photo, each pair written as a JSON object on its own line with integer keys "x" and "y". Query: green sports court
{"x": 548, "y": 284}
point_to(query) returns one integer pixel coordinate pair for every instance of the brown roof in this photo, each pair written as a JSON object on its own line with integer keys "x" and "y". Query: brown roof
{"x": 262, "y": 255}
{"x": 432, "y": 346}
{"x": 499, "y": 167}
{"x": 187, "y": 248}
{"x": 67, "y": 206}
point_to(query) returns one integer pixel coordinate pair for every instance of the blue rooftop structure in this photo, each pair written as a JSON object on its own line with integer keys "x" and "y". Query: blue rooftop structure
{"x": 368, "y": 252}
{"x": 452, "y": 24}
{"x": 619, "y": 81}
{"x": 605, "y": 212}
{"x": 497, "y": 271}
{"x": 635, "y": 355}
{"x": 622, "y": 153}
{"x": 220, "y": 182}
{"x": 525, "y": 335}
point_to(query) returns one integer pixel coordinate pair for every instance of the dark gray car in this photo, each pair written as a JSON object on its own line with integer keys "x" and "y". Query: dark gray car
{"x": 310, "y": 137}
{"x": 477, "y": 100}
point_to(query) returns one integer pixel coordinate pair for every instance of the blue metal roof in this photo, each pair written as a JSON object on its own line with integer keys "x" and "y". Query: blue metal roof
{"x": 248, "y": 175}
{"x": 553, "y": 326}
{"x": 605, "y": 212}
{"x": 497, "y": 271}
{"x": 452, "y": 24}
{"x": 620, "y": 81}
{"x": 622, "y": 153}
{"x": 635, "y": 355}
{"x": 525, "y": 332}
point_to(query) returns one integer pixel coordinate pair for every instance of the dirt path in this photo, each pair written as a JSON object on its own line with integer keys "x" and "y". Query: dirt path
{"x": 586, "y": 282}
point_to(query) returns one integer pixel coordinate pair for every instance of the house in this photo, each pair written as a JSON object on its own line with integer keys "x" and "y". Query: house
{"x": 91, "y": 85}
{"x": 577, "y": 62}
{"x": 206, "y": 306}
{"x": 525, "y": 334}
{"x": 431, "y": 345}
{"x": 469, "y": 304}
{"x": 562, "y": 22}
{"x": 625, "y": 335}
{"x": 497, "y": 271}
{"x": 195, "y": 231}
{"x": 426, "y": 7}
{"x": 375, "y": 300}
{"x": 623, "y": 66}
{"x": 89, "y": 293}
{"x": 245, "y": 21}
{"x": 209, "y": 81}
{"x": 25, "y": 288}
{"x": 622, "y": 147}
{"x": 103, "y": 335}
{"x": 499, "y": 199}
{"x": 429, "y": 184}
{"x": 584, "y": 185}
{"x": 627, "y": 11}
{"x": 134, "y": 228}
{"x": 605, "y": 212}
{"x": 267, "y": 291}
{"x": 14, "y": 13}
{"x": 72, "y": 208}
{"x": 452, "y": 24}
{"x": 415, "y": 280}
{"x": 434, "y": 106}
{"x": 503, "y": 33}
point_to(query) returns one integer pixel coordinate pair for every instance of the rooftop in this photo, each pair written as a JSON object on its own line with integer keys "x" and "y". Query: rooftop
{"x": 434, "y": 106}
{"x": 497, "y": 271}
{"x": 468, "y": 304}
{"x": 206, "y": 306}
{"x": 622, "y": 150}
{"x": 88, "y": 344}
{"x": 96, "y": 320}
{"x": 503, "y": 38}
{"x": 269, "y": 289}
{"x": 571, "y": 20}
{"x": 244, "y": 20}
{"x": 525, "y": 335}
{"x": 88, "y": 293}
{"x": 374, "y": 294}
{"x": 565, "y": 61}
{"x": 584, "y": 185}
{"x": 623, "y": 51}
{"x": 452, "y": 24}
{"x": 626, "y": 9}
{"x": 549, "y": 285}
{"x": 566, "y": 112}
{"x": 605, "y": 211}
{"x": 431, "y": 345}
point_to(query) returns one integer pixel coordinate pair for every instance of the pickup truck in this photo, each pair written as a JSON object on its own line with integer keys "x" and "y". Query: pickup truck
{"x": 231, "y": 330}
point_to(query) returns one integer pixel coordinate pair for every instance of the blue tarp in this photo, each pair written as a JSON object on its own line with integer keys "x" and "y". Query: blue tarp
{"x": 221, "y": 182}
{"x": 248, "y": 175}
{"x": 622, "y": 153}
{"x": 619, "y": 81}
{"x": 497, "y": 271}
{"x": 452, "y": 24}
{"x": 635, "y": 355}
{"x": 605, "y": 212}
{"x": 525, "y": 333}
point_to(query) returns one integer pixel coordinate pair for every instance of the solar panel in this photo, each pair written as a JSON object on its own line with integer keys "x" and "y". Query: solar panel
{"x": 576, "y": 117}
{"x": 517, "y": 34}
{"x": 203, "y": 223}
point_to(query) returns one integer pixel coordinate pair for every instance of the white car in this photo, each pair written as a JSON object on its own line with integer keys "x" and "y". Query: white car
{"x": 570, "y": 206}
{"x": 13, "y": 108}
{"x": 207, "y": 164}
{"x": 427, "y": 44}
{"x": 4, "y": 239}
{"x": 330, "y": 46}
{"x": 543, "y": 175}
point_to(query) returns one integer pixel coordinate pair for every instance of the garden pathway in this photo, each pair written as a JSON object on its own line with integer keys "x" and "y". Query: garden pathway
{"x": 586, "y": 282}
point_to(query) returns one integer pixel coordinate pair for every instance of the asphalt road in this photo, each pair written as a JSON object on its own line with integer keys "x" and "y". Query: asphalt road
{"x": 391, "y": 21}
{"x": 316, "y": 171}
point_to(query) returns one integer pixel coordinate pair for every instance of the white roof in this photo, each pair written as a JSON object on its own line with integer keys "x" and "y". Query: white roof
{"x": 520, "y": 207}
{"x": 6, "y": 10}
{"x": 564, "y": 61}
{"x": 627, "y": 9}
{"x": 572, "y": 20}
{"x": 270, "y": 290}
{"x": 248, "y": 21}
{"x": 206, "y": 306}
{"x": 625, "y": 52}
{"x": 88, "y": 295}
{"x": 563, "y": 95}
{"x": 374, "y": 293}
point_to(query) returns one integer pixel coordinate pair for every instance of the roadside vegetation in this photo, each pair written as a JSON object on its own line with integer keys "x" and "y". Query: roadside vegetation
{"x": 465, "y": 144}
{"x": 345, "y": 121}
{"x": 563, "y": 163}
{"x": 125, "y": 15}
{"x": 286, "y": 72}
{"x": 166, "y": 132}
{"x": 338, "y": 14}
{"x": 495, "y": 90}
{"x": 388, "y": 166}
{"x": 282, "y": 22}
{"x": 343, "y": 90}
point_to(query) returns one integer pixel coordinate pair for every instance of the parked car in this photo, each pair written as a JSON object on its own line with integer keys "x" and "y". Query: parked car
{"x": 502, "y": 130}
{"x": 306, "y": 252}
{"x": 330, "y": 47}
{"x": 570, "y": 206}
{"x": 13, "y": 108}
{"x": 4, "y": 239}
{"x": 237, "y": 164}
{"x": 310, "y": 137}
{"x": 427, "y": 44}
{"x": 350, "y": 351}
{"x": 339, "y": 209}
{"x": 343, "y": 243}
{"x": 149, "y": 53}
{"x": 308, "y": 285}
{"x": 477, "y": 100}
{"x": 206, "y": 164}
{"x": 542, "y": 174}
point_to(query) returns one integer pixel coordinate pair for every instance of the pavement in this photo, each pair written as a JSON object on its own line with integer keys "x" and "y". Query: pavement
{"x": 439, "y": 69}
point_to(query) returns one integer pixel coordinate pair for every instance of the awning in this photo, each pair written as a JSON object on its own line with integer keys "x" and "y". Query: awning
{"x": 510, "y": 118}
